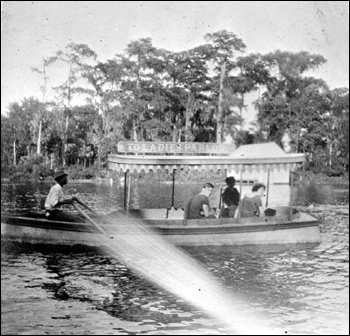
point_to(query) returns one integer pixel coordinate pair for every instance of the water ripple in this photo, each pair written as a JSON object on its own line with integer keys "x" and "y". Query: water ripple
{"x": 302, "y": 288}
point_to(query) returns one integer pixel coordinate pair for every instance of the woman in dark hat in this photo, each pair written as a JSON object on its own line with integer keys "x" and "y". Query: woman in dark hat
{"x": 55, "y": 199}
{"x": 230, "y": 199}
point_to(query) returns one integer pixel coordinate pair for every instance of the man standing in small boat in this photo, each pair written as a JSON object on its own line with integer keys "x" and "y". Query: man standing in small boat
{"x": 55, "y": 199}
{"x": 199, "y": 207}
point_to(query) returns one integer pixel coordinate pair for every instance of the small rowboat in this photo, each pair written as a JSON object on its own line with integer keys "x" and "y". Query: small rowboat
{"x": 288, "y": 226}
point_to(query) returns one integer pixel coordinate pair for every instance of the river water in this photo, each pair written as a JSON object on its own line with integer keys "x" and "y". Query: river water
{"x": 302, "y": 289}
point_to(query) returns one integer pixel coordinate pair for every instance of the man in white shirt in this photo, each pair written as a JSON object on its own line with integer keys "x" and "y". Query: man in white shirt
{"x": 55, "y": 199}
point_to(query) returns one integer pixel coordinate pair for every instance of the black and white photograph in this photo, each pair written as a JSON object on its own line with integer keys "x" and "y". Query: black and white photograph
{"x": 174, "y": 168}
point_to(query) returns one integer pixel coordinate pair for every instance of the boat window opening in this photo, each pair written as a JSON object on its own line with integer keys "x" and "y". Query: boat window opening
{"x": 246, "y": 182}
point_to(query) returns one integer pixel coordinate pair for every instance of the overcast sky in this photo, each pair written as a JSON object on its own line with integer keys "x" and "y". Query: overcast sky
{"x": 32, "y": 30}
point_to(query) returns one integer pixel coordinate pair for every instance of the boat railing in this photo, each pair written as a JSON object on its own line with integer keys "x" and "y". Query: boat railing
{"x": 283, "y": 213}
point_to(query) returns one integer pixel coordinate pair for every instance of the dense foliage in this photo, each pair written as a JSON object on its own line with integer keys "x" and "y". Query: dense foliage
{"x": 152, "y": 94}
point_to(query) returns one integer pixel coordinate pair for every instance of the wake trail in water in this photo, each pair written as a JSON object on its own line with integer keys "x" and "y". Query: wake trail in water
{"x": 150, "y": 255}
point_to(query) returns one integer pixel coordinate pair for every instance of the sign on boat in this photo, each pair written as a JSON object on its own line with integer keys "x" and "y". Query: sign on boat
{"x": 175, "y": 147}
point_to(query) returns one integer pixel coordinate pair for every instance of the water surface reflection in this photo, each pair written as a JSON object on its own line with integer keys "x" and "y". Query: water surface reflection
{"x": 59, "y": 290}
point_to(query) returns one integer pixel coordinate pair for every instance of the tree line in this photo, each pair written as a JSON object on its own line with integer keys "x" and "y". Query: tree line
{"x": 152, "y": 94}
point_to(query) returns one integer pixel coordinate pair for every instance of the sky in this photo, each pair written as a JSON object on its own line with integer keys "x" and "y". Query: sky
{"x": 33, "y": 30}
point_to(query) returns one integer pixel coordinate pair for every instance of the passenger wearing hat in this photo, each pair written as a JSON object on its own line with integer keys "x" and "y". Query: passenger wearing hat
{"x": 55, "y": 199}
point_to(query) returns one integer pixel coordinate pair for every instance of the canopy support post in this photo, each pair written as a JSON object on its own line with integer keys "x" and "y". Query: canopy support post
{"x": 220, "y": 200}
{"x": 125, "y": 189}
{"x": 240, "y": 195}
{"x": 268, "y": 187}
{"x": 129, "y": 192}
{"x": 291, "y": 195}
{"x": 173, "y": 191}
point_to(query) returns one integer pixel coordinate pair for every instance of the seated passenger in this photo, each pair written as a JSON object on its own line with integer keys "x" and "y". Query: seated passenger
{"x": 252, "y": 204}
{"x": 230, "y": 199}
{"x": 198, "y": 207}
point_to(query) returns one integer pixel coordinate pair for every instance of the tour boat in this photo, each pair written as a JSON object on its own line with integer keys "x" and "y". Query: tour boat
{"x": 287, "y": 226}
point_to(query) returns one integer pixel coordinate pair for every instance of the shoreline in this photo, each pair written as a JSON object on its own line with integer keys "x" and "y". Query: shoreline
{"x": 322, "y": 178}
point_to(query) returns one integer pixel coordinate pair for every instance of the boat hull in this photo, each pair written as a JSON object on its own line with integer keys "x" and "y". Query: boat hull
{"x": 281, "y": 229}
{"x": 291, "y": 233}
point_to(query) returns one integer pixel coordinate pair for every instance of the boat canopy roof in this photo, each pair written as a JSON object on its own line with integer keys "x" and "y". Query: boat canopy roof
{"x": 138, "y": 156}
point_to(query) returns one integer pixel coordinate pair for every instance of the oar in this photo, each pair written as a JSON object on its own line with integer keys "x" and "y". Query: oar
{"x": 85, "y": 206}
{"x": 94, "y": 224}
